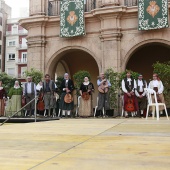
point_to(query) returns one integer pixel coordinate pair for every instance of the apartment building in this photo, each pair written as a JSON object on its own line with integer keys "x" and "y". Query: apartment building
{"x": 16, "y": 50}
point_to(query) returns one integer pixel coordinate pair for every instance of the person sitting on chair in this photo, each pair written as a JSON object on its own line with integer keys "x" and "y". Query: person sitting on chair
{"x": 157, "y": 86}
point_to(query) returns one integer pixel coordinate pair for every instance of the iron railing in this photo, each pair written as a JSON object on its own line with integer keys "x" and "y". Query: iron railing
{"x": 54, "y": 6}
{"x": 131, "y": 2}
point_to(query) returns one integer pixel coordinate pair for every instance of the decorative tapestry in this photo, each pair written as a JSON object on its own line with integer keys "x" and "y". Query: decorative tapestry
{"x": 72, "y": 18}
{"x": 152, "y": 14}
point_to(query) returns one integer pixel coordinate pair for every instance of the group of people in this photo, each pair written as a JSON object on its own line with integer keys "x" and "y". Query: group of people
{"x": 133, "y": 96}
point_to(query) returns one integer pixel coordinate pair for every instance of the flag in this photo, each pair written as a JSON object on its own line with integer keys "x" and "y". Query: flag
{"x": 72, "y": 18}
{"x": 152, "y": 14}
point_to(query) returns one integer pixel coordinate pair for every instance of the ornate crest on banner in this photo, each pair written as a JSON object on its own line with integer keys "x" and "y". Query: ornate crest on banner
{"x": 152, "y": 14}
{"x": 153, "y": 8}
{"x": 72, "y": 18}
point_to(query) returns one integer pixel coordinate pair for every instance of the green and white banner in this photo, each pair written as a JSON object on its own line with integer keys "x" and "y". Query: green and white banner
{"x": 152, "y": 14}
{"x": 72, "y": 18}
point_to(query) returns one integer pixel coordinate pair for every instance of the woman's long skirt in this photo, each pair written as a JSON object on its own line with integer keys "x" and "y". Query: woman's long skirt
{"x": 85, "y": 109}
{"x": 2, "y": 107}
{"x": 14, "y": 105}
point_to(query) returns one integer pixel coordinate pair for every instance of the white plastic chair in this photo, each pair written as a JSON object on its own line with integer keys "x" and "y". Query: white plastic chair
{"x": 97, "y": 107}
{"x": 149, "y": 93}
{"x": 78, "y": 105}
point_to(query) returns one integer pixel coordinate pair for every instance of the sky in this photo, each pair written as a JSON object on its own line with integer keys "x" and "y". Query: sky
{"x": 16, "y": 5}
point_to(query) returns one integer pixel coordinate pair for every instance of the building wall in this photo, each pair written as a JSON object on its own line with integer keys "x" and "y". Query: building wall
{"x": 16, "y": 33}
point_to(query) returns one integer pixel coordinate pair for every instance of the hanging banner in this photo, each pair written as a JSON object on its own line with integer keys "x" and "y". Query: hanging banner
{"x": 152, "y": 14}
{"x": 72, "y": 18}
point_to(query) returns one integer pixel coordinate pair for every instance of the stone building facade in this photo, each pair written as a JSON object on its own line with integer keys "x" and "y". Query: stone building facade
{"x": 112, "y": 40}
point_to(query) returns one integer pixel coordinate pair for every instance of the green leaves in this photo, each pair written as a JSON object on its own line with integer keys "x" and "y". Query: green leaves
{"x": 163, "y": 71}
{"x": 7, "y": 81}
{"x": 35, "y": 74}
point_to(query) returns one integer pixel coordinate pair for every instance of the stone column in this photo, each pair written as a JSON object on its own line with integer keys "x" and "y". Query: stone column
{"x": 36, "y": 38}
{"x": 110, "y": 38}
{"x": 38, "y": 7}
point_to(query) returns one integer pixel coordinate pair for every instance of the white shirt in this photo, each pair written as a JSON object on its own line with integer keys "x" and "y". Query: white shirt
{"x": 123, "y": 85}
{"x": 158, "y": 84}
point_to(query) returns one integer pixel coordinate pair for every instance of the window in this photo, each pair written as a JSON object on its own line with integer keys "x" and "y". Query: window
{"x": 11, "y": 57}
{"x": 24, "y": 57}
{"x": 11, "y": 43}
{"x": 0, "y": 49}
{"x": 15, "y": 29}
{"x": 23, "y": 69}
{"x": 11, "y": 71}
{"x": 0, "y": 35}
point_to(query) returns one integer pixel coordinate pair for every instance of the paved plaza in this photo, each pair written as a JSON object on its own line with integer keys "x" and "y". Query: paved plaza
{"x": 86, "y": 144}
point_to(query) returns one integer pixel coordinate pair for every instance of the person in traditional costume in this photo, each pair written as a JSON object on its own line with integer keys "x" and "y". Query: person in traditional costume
{"x": 15, "y": 95}
{"x": 30, "y": 93}
{"x": 48, "y": 91}
{"x": 66, "y": 101}
{"x": 157, "y": 86}
{"x": 130, "y": 103}
{"x": 3, "y": 97}
{"x": 86, "y": 89}
{"x": 103, "y": 95}
{"x": 141, "y": 94}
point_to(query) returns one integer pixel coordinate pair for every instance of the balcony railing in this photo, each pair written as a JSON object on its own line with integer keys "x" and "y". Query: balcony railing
{"x": 21, "y": 61}
{"x": 21, "y": 46}
{"x": 19, "y": 32}
{"x": 54, "y": 6}
{"x": 131, "y": 2}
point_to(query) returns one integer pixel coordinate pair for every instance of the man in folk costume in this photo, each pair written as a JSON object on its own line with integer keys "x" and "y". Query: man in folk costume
{"x": 30, "y": 93}
{"x": 66, "y": 87}
{"x": 156, "y": 84}
{"x": 141, "y": 94}
{"x": 103, "y": 95}
{"x": 48, "y": 89}
{"x": 130, "y": 101}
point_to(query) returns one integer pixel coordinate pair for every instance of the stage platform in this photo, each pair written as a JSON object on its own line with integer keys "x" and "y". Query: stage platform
{"x": 27, "y": 119}
{"x": 86, "y": 144}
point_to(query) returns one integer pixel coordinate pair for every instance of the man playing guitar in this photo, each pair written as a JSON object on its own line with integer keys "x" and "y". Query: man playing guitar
{"x": 103, "y": 95}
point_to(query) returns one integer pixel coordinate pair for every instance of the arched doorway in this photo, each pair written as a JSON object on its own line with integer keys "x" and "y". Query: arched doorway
{"x": 142, "y": 59}
{"x": 72, "y": 61}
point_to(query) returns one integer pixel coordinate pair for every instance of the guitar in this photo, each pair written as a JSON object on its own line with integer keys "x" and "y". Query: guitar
{"x": 102, "y": 88}
{"x": 130, "y": 105}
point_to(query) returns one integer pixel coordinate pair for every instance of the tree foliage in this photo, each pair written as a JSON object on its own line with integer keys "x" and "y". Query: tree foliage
{"x": 163, "y": 70}
{"x": 7, "y": 81}
{"x": 35, "y": 74}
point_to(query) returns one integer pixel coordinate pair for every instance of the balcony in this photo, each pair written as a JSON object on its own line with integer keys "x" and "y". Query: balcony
{"x": 19, "y": 32}
{"x": 54, "y": 6}
{"x": 22, "y": 47}
{"x": 21, "y": 61}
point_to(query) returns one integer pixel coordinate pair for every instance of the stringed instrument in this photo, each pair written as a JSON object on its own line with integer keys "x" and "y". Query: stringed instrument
{"x": 85, "y": 96}
{"x": 129, "y": 107}
{"x": 102, "y": 88}
{"x": 68, "y": 98}
{"x": 40, "y": 104}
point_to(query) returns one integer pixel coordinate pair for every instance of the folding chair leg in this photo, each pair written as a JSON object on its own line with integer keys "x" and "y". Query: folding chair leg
{"x": 166, "y": 112}
{"x": 147, "y": 112}
{"x": 95, "y": 111}
{"x": 59, "y": 112}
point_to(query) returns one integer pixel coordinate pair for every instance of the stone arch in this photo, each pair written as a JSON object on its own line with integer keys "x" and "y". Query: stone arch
{"x": 140, "y": 45}
{"x": 58, "y": 55}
